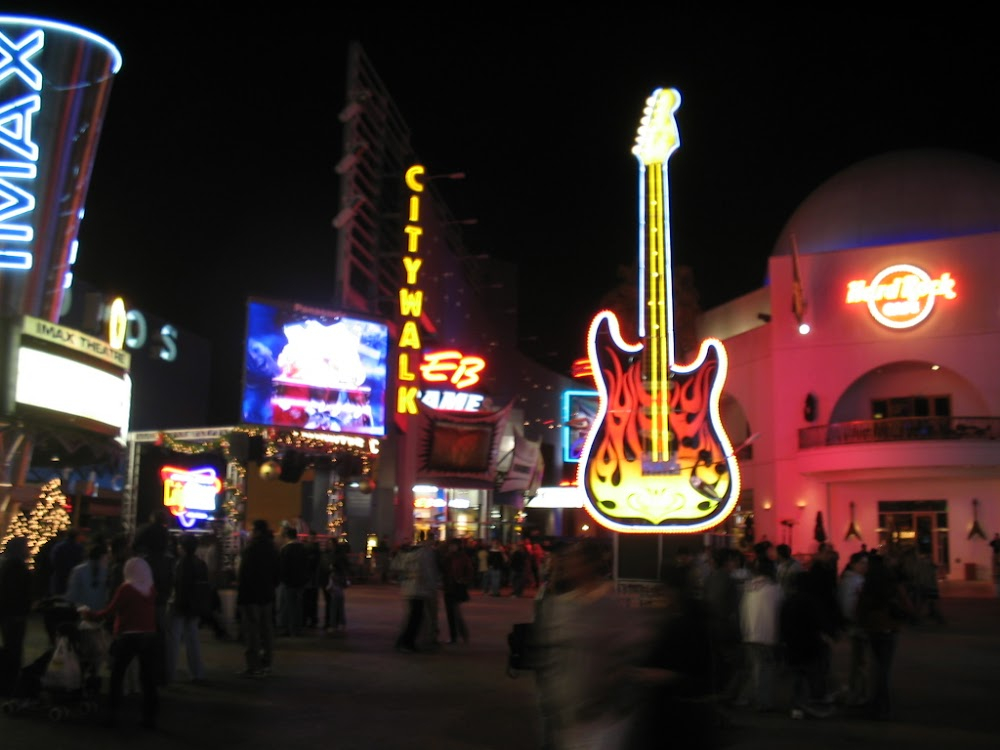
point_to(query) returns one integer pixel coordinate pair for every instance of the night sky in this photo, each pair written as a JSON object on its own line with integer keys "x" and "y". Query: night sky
{"x": 215, "y": 168}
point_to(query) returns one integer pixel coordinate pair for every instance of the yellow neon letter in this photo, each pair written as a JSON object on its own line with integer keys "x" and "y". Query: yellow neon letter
{"x": 412, "y": 266}
{"x": 414, "y": 232}
{"x": 410, "y": 337}
{"x": 414, "y": 208}
{"x": 411, "y": 178}
{"x": 406, "y": 400}
{"x": 410, "y": 303}
{"x": 404, "y": 368}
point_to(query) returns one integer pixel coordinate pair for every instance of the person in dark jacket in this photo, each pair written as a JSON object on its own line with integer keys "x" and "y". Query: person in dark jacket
{"x": 293, "y": 575}
{"x": 66, "y": 555}
{"x": 191, "y": 600}
{"x": 15, "y": 604}
{"x": 256, "y": 580}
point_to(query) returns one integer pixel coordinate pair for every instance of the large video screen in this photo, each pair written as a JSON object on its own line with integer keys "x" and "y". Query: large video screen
{"x": 314, "y": 369}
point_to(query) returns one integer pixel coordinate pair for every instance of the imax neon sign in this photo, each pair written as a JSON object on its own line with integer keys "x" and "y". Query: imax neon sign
{"x": 18, "y": 152}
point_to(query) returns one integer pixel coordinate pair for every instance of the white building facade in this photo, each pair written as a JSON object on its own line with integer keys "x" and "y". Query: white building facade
{"x": 885, "y": 417}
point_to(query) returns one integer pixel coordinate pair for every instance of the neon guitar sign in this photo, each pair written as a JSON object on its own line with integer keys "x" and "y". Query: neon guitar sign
{"x": 657, "y": 459}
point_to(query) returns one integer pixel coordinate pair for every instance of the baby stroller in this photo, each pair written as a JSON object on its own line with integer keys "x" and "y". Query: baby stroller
{"x": 63, "y": 681}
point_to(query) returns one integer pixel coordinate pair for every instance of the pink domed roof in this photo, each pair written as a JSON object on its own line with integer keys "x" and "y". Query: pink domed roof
{"x": 902, "y": 196}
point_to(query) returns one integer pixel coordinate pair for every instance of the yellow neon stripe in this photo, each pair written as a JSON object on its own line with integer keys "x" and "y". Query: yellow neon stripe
{"x": 653, "y": 338}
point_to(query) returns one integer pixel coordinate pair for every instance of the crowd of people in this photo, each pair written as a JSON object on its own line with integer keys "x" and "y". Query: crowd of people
{"x": 737, "y": 630}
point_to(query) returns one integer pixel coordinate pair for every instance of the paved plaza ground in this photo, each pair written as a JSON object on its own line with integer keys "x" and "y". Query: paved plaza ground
{"x": 356, "y": 691}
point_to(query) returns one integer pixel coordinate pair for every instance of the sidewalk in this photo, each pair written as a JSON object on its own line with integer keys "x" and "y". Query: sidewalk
{"x": 357, "y": 692}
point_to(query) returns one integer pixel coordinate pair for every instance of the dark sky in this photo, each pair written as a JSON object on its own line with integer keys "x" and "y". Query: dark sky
{"x": 215, "y": 167}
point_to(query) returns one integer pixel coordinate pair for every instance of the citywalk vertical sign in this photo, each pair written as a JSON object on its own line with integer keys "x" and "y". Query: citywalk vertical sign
{"x": 411, "y": 302}
{"x": 55, "y": 80}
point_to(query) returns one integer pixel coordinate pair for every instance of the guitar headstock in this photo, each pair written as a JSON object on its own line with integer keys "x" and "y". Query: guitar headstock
{"x": 658, "y": 137}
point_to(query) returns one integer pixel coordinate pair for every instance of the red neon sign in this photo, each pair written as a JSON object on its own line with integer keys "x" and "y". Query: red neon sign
{"x": 461, "y": 370}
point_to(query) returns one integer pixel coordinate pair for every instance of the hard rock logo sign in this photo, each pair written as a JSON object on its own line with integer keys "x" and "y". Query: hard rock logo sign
{"x": 901, "y": 296}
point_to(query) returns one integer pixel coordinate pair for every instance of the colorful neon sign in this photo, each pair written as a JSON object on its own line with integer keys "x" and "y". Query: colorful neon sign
{"x": 901, "y": 296}
{"x": 450, "y": 365}
{"x": 16, "y": 120}
{"x": 657, "y": 458}
{"x": 54, "y": 85}
{"x": 411, "y": 299}
{"x": 190, "y": 494}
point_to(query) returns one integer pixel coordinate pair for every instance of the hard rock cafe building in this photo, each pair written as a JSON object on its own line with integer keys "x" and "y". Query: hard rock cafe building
{"x": 867, "y": 364}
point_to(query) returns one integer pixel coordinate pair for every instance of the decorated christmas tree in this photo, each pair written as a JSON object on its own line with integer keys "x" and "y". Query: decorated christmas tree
{"x": 49, "y": 516}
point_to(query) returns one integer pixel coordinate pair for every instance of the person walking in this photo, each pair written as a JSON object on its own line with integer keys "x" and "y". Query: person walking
{"x": 293, "y": 575}
{"x": 133, "y": 606}
{"x": 759, "y": 614}
{"x": 310, "y": 594}
{"x": 519, "y": 569}
{"x": 190, "y": 601}
{"x": 257, "y": 579}
{"x": 88, "y": 581}
{"x": 883, "y": 608}
{"x": 67, "y": 553}
{"x": 848, "y": 589}
{"x": 336, "y": 585}
{"x": 15, "y": 605}
{"x": 457, "y": 577}
{"x": 583, "y": 647}
{"x": 496, "y": 562}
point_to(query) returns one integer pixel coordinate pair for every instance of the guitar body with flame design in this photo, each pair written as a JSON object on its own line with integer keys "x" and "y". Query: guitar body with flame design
{"x": 630, "y": 483}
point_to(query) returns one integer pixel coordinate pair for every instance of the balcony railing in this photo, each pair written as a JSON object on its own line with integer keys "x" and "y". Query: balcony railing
{"x": 900, "y": 429}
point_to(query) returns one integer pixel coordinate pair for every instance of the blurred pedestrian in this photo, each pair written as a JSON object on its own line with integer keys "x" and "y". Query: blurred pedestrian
{"x": 883, "y": 608}
{"x": 88, "y": 581}
{"x": 67, "y": 553}
{"x": 293, "y": 575}
{"x": 721, "y": 594}
{"x": 15, "y": 605}
{"x": 133, "y": 606}
{"x": 190, "y": 601}
{"x": 849, "y": 587}
{"x": 583, "y": 650}
{"x": 457, "y": 577}
{"x": 674, "y": 677}
{"x": 336, "y": 585}
{"x": 257, "y": 579}
{"x": 759, "y": 617}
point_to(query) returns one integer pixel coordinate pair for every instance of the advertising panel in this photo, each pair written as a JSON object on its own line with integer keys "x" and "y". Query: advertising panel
{"x": 314, "y": 369}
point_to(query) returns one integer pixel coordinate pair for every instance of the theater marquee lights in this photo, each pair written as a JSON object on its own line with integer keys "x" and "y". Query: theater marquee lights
{"x": 901, "y": 296}
{"x": 411, "y": 300}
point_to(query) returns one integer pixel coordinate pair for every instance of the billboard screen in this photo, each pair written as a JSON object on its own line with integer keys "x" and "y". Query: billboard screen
{"x": 314, "y": 369}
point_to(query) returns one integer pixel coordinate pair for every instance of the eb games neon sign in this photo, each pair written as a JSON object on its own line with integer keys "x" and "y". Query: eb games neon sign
{"x": 901, "y": 296}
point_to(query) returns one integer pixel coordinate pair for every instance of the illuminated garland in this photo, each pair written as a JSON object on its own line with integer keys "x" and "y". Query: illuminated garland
{"x": 235, "y": 497}
{"x": 49, "y": 517}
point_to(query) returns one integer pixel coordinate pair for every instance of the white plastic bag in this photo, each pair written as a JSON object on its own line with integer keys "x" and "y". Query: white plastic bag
{"x": 63, "y": 671}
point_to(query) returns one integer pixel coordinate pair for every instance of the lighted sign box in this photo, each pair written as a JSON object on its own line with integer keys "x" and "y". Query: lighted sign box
{"x": 314, "y": 369}
{"x": 66, "y": 376}
{"x": 579, "y": 410}
{"x": 461, "y": 447}
{"x": 189, "y": 486}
